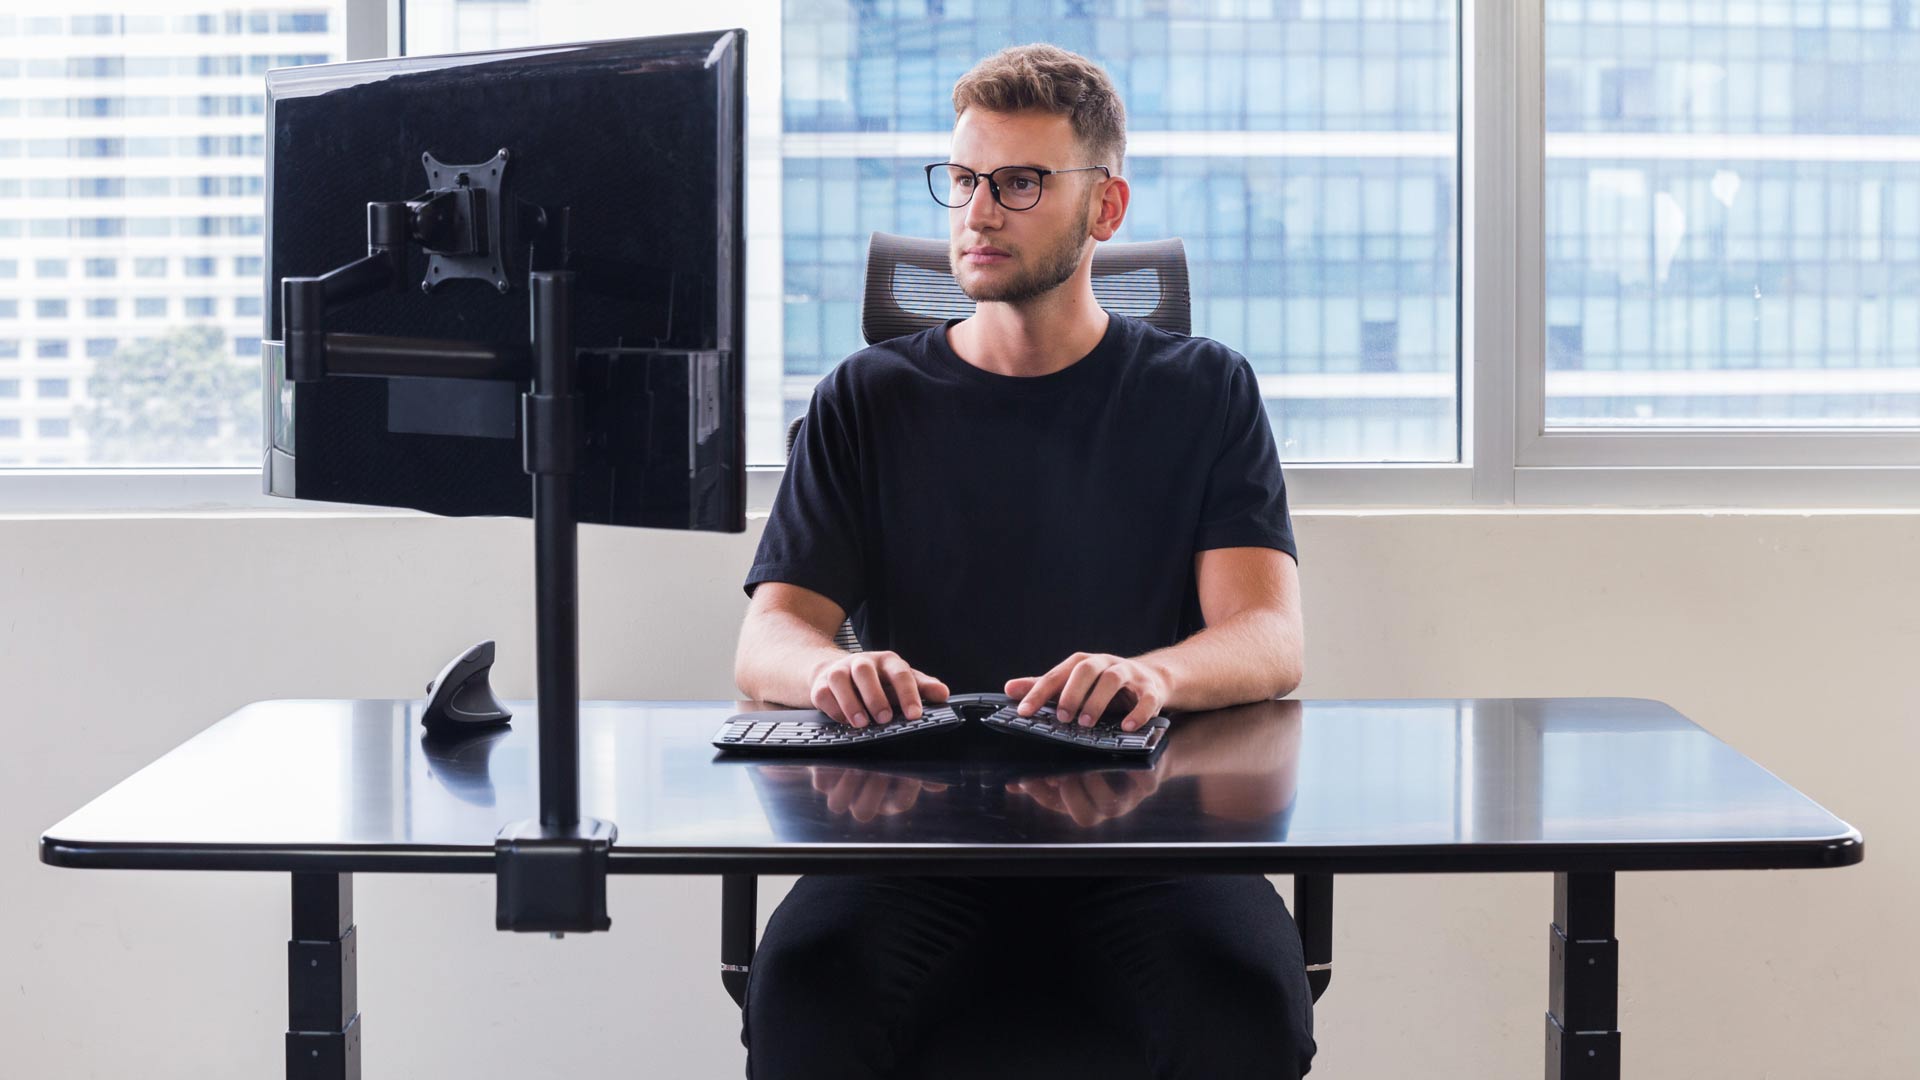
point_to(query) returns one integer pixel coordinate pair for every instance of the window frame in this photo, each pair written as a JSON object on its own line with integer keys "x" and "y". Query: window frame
{"x": 1508, "y": 458}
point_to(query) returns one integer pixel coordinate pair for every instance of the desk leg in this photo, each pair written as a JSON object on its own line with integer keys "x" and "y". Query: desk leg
{"x": 323, "y": 1018}
{"x": 1583, "y": 981}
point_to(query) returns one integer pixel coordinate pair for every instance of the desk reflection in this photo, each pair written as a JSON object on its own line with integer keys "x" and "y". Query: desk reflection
{"x": 462, "y": 763}
{"x": 1234, "y": 769}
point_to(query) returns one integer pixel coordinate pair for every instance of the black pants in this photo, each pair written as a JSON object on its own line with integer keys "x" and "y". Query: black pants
{"x": 856, "y": 977}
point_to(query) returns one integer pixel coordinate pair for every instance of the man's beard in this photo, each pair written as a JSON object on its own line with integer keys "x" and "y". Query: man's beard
{"x": 1049, "y": 270}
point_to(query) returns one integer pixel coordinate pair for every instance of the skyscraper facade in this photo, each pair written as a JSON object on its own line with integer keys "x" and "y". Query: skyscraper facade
{"x": 1306, "y": 153}
{"x": 131, "y": 151}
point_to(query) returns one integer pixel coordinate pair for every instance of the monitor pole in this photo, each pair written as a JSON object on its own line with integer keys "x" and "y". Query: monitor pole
{"x": 551, "y": 874}
{"x": 550, "y": 418}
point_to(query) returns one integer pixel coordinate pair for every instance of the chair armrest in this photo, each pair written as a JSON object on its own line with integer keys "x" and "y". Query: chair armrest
{"x": 1313, "y": 914}
{"x": 738, "y": 910}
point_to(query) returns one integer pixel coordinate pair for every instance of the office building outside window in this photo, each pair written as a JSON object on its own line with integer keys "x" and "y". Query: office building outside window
{"x": 1732, "y": 215}
{"x": 1305, "y": 153}
{"x": 131, "y": 156}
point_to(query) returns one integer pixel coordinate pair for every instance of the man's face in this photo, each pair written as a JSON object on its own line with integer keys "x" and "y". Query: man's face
{"x": 1015, "y": 255}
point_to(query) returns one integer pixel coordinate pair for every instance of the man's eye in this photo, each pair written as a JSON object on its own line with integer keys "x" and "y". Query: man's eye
{"x": 1023, "y": 183}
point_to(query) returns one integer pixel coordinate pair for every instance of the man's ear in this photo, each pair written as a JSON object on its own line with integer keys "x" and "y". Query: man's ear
{"x": 1110, "y": 209}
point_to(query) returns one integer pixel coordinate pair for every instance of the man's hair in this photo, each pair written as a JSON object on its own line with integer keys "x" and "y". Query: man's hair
{"x": 1051, "y": 79}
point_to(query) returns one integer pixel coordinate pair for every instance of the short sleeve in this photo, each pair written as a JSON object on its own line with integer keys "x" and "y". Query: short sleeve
{"x": 1246, "y": 496}
{"x": 812, "y": 538}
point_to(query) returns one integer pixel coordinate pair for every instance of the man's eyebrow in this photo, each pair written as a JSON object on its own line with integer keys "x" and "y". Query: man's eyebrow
{"x": 1014, "y": 165}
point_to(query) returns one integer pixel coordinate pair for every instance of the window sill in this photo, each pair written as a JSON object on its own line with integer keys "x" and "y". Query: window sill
{"x": 60, "y": 492}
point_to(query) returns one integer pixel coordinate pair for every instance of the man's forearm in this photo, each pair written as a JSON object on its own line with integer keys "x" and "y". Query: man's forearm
{"x": 777, "y": 656}
{"x": 1252, "y": 656}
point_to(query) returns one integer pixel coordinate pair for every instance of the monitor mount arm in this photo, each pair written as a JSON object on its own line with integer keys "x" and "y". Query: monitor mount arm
{"x": 550, "y": 872}
{"x": 469, "y": 228}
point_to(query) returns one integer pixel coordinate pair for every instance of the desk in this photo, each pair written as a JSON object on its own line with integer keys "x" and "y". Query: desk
{"x": 1580, "y": 788}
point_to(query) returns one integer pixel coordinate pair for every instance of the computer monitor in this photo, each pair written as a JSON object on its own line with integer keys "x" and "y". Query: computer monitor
{"x": 620, "y": 160}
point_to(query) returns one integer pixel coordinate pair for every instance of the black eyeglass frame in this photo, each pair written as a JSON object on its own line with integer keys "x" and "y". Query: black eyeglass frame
{"x": 994, "y": 185}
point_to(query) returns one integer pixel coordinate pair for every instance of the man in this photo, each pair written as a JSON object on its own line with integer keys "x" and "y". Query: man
{"x": 1055, "y": 502}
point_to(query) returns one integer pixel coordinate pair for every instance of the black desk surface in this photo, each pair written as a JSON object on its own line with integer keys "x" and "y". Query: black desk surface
{"x": 1570, "y": 784}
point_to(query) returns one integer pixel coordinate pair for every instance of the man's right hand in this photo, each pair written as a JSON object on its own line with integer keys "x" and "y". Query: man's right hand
{"x": 861, "y": 686}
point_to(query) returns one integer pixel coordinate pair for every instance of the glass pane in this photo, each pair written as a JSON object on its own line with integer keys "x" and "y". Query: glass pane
{"x": 1329, "y": 262}
{"x": 130, "y": 205}
{"x": 1732, "y": 215}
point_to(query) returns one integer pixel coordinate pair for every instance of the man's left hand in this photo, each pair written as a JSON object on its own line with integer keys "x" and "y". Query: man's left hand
{"x": 1088, "y": 684}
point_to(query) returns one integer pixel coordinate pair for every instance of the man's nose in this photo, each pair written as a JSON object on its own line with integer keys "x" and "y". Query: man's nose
{"x": 983, "y": 210}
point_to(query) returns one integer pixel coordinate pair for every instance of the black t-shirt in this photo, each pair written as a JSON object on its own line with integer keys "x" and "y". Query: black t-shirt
{"x": 987, "y": 526}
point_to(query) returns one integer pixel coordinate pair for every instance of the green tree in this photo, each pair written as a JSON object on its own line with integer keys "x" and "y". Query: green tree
{"x": 178, "y": 399}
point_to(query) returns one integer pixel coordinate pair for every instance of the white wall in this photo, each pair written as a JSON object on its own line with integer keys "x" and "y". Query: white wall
{"x": 1791, "y": 636}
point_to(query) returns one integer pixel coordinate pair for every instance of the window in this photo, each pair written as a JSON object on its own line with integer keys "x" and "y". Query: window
{"x": 136, "y": 166}
{"x": 9, "y": 348}
{"x": 1729, "y": 198}
{"x": 9, "y": 428}
{"x": 1731, "y": 234}
{"x": 9, "y": 388}
{"x": 53, "y": 427}
{"x": 53, "y": 388}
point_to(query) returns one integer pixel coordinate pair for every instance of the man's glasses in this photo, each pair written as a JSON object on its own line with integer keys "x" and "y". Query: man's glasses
{"x": 1016, "y": 187}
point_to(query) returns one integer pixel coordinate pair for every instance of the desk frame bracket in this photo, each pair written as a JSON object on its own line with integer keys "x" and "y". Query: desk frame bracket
{"x": 1583, "y": 980}
{"x": 323, "y": 1014}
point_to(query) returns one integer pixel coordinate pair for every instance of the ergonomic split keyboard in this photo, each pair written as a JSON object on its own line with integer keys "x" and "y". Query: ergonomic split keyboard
{"x": 809, "y": 731}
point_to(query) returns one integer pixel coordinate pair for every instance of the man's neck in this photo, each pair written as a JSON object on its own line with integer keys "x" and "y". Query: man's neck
{"x": 1040, "y": 337}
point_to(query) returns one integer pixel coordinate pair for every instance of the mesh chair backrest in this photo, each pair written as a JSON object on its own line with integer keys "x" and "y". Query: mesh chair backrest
{"x": 911, "y": 287}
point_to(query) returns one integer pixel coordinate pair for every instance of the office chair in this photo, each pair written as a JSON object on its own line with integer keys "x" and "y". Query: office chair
{"x": 910, "y": 287}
